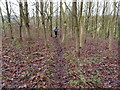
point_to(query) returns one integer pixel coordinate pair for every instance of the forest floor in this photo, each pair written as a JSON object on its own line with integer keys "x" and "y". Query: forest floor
{"x": 58, "y": 66}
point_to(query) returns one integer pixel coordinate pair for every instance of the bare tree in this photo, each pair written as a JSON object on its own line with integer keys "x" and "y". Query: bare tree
{"x": 112, "y": 23}
{"x": 3, "y": 23}
{"x": 21, "y": 18}
{"x": 33, "y": 16}
{"x": 43, "y": 23}
{"x": 37, "y": 13}
{"x": 64, "y": 25}
{"x": 57, "y": 16}
{"x": 96, "y": 19}
{"x": 77, "y": 32}
{"x": 118, "y": 26}
{"x": 9, "y": 20}
{"x": 88, "y": 14}
{"x": 26, "y": 20}
{"x": 60, "y": 17}
{"x": 51, "y": 13}
{"x": 81, "y": 25}
{"x": 103, "y": 18}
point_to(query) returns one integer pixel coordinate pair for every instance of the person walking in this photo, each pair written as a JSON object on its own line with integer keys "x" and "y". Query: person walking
{"x": 56, "y": 31}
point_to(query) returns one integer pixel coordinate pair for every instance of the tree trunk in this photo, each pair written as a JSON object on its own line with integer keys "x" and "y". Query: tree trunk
{"x": 43, "y": 23}
{"x": 73, "y": 24}
{"x": 112, "y": 29}
{"x": 60, "y": 17}
{"x": 88, "y": 14}
{"x": 51, "y": 13}
{"x": 37, "y": 14}
{"x": 33, "y": 17}
{"x": 26, "y": 20}
{"x": 96, "y": 20}
{"x": 3, "y": 23}
{"x": 118, "y": 29}
{"x": 21, "y": 19}
{"x": 103, "y": 19}
{"x": 64, "y": 25}
{"x": 65, "y": 32}
{"x": 57, "y": 16}
{"x": 9, "y": 20}
{"x": 92, "y": 22}
{"x": 77, "y": 33}
{"x": 81, "y": 25}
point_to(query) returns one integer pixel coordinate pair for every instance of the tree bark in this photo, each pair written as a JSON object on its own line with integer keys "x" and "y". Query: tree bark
{"x": 51, "y": 13}
{"x": 118, "y": 30}
{"x": 96, "y": 20}
{"x": 112, "y": 29}
{"x": 77, "y": 33}
{"x": 57, "y": 16}
{"x": 26, "y": 20}
{"x": 3, "y": 23}
{"x": 88, "y": 14}
{"x": 37, "y": 14}
{"x": 81, "y": 26}
{"x": 103, "y": 19}
{"x": 64, "y": 25}
{"x": 21, "y": 19}
{"x": 60, "y": 17}
{"x": 43, "y": 24}
{"x": 9, "y": 20}
{"x": 33, "y": 16}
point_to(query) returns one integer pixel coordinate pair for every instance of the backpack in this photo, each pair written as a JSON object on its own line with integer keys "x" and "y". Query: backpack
{"x": 55, "y": 29}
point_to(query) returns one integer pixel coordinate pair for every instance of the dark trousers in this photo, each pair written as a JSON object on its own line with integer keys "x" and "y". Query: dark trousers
{"x": 55, "y": 33}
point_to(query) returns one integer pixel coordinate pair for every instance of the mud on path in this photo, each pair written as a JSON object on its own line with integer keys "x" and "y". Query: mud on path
{"x": 58, "y": 69}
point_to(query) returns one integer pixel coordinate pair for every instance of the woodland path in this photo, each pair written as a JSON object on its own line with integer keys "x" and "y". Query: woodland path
{"x": 58, "y": 79}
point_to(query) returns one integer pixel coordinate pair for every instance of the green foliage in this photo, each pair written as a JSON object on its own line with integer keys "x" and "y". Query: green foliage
{"x": 31, "y": 68}
{"x": 79, "y": 82}
{"x": 109, "y": 68}
{"x": 88, "y": 80}
{"x": 71, "y": 63}
{"x": 75, "y": 82}
{"x": 65, "y": 54}
{"x": 76, "y": 61}
{"x": 48, "y": 72}
{"x": 18, "y": 46}
{"x": 95, "y": 79}
{"x": 24, "y": 74}
{"x": 8, "y": 23}
{"x": 70, "y": 74}
{"x": 94, "y": 59}
{"x": 96, "y": 55}
{"x": 81, "y": 87}
{"x": 93, "y": 73}
{"x": 83, "y": 78}
{"x": 98, "y": 80}
{"x": 72, "y": 82}
{"x": 68, "y": 70}
{"x": 94, "y": 82}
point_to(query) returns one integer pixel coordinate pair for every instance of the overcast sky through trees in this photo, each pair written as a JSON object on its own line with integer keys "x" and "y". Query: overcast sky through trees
{"x": 15, "y": 6}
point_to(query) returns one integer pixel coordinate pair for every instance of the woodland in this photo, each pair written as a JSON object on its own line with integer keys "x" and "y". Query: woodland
{"x": 85, "y": 53}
